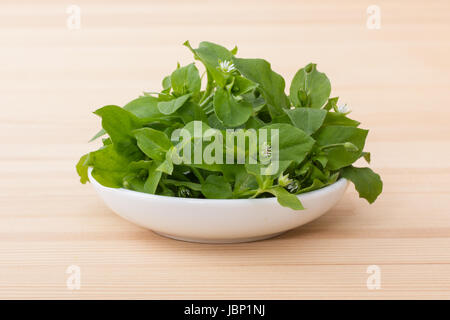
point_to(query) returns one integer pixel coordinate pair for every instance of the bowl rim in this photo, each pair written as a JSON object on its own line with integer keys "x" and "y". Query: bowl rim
{"x": 324, "y": 190}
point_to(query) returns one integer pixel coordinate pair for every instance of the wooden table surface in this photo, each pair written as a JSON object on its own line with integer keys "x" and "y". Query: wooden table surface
{"x": 396, "y": 79}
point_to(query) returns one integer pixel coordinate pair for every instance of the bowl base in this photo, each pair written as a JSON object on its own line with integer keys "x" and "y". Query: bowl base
{"x": 219, "y": 241}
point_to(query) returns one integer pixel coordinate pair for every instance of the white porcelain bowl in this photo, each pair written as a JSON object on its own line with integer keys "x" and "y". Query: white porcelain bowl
{"x": 217, "y": 221}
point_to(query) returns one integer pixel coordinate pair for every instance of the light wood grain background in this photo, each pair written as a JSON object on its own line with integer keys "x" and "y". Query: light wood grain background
{"x": 395, "y": 79}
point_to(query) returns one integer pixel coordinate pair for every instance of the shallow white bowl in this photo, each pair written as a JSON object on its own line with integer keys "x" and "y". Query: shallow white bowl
{"x": 217, "y": 220}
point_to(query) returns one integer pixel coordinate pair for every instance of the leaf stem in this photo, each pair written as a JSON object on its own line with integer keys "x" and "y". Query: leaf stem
{"x": 197, "y": 173}
{"x": 209, "y": 88}
{"x": 257, "y": 193}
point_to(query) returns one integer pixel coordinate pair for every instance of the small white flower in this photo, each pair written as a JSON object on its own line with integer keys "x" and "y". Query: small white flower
{"x": 266, "y": 150}
{"x": 226, "y": 66}
{"x": 184, "y": 192}
{"x": 292, "y": 187}
{"x": 343, "y": 108}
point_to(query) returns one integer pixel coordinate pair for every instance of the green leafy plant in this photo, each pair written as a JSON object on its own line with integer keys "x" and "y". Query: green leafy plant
{"x": 317, "y": 141}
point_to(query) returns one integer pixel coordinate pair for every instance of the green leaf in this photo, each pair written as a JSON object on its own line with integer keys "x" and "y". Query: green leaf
{"x": 263, "y": 172}
{"x": 313, "y": 83}
{"x": 331, "y": 104}
{"x": 185, "y": 80}
{"x": 145, "y": 108}
{"x": 270, "y": 83}
{"x": 151, "y": 184}
{"x": 153, "y": 143}
{"x": 216, "y": 187}
{"x": 306, "y": 119}
{"x": 230, "y": 111}
{"x": 242, "y": 85}
{"x": 322, "y": 159}
{"x": 340, "y": 156}
{"x": 215, "y": 123}
{"x": 166, "y": 84}
{"x": 366, "y": 156}
{"x": 119, "y": 124}
{"x": 106, "y": 141}
{"x": 339, "y": 119}
{"x": 169, "y": 107}
{"x": 109, "y": 166}
{"x": 191, "y": 126}
{"x": 286, "y": 199}
{"x": 98, "y": 135}
{"x": 191, "y": 111}
{"x": 282, "y": 119}
{"x": 294, "y": 144}
{"x": 166, "y": 166}
{"x": 82, "y": 168}
{"x": 210, "y": 54}
{"x": 367, "y": 183}
{"x": 244, "y": 181}
{"x": 316, "y": 173}
{"x": 254, "y": 123}
{"x": 142, "y": 177}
